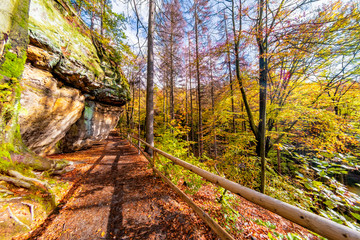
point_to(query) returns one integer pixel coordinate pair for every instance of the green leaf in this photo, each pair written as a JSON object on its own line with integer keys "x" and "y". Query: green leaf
{"x": 355, "y": 215}
{"x": 329, "y": 204}
{"x": 308, "y": 186}
{"x": 355, "y": 208}
{"x": 317, "y": 184}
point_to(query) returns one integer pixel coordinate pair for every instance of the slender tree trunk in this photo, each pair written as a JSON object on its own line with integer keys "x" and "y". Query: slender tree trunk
{"x": 139, "y": 115}
{"x": 150, "y": 80}
{"x": 200, "y": 133}
{"x": 127, "y": 116}
{"x": 230, "y": 77}
{"x": 165, "y": 102}
{"x": 263, "y": 68}
{"x": 172, "y": 114}
{"x": 192, "y": 132}
{"x": 78, "y": 7}
{"x": 243, "y": 117}
{"x": 102, "y": 8}
{"x": 237, "y": 69}
{"x": 133, "y": 107}
{"x": 186, "y": 113}
{"x": 192, "y": 115}
{"x": 213, "y": 107}
{"x": 278, "y": 156}
{"x": 92, "y": 19}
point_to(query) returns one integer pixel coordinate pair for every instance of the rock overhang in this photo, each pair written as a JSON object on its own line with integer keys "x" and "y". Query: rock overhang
{"x": 67, "y": 74}
{"x": 75, "y": 58}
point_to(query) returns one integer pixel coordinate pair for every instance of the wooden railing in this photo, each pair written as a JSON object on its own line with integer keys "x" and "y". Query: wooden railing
{"x": 311, "y": 221}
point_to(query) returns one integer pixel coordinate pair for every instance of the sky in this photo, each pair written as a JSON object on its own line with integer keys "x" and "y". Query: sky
{"x": 128, "y": 10}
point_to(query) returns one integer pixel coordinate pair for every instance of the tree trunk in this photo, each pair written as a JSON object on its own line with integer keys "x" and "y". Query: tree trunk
{"x": 192, "y": 133}
{"x": 150, "y": 81}
{"x": 263, "y": 69}
{"x": 243, "y": 117}
{"x": 230, "y": 77}
{"x": 186, "y": 112}
{"x": 165, "y": 102}
{"x": 200, "y": 133}
{"x": 237, "y": 69}
{"x": 172, "y": 114}
{"x": 278, "y": 156}
{"x": 139, "y": 115}
{"x": 133, "y": 107}
{"x": 213, "y": 109}
{"x": 13, "y": 45}
{"x": 92, "y": 20}
{"x": 102, "y": 8}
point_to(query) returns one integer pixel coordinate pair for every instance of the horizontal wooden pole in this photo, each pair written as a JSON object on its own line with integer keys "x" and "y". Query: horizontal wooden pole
{"x": 311, "y": 221}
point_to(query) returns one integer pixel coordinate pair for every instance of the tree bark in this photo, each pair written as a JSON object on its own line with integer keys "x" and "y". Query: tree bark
{"x": 139, "y": 115}
{"x": 150, "y": 80}
{"x": 13, "y": 46}
{"x": 213, "y": 108}
{"x": 263, "y": 71}
{"x": 102, "y": 8}
{"x": 230, "y": 76}
{"x": 237, "y": 69}
{"x": 172, "y": 114}
{"x": 192, "y": 133}
{"x": 186, "y": 112}
{"x": 200, "y": 133}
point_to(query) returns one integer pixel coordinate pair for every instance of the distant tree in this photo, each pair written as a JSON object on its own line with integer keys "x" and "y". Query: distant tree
{"x": 171, "y": 32}
{"x": 170, "y": 27}
{"x": 200, "y": 10}
{"x": 228, "y": 63}
{"x": 100, "y": 17}
{"x": 192, "y": 128}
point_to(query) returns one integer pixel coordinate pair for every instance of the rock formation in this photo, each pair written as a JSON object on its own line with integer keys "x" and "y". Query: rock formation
{"x": 72, "y": 95}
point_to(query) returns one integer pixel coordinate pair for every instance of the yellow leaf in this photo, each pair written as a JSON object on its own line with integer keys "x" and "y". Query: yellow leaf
{"x": 103, "y": 234}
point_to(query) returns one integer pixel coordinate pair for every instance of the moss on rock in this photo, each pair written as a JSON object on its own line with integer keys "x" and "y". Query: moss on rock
{"x": 13, "y": 65}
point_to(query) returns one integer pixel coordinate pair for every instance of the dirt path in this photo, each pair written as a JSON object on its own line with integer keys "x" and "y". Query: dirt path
{"x": 118, "y": 197}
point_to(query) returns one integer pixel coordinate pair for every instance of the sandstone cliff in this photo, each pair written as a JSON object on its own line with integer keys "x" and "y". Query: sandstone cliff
{"x": 72, "y": 92}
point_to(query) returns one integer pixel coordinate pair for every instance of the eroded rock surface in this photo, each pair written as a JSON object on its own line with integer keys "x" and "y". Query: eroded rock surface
{"x": 65, "y": 72}
{"x": 94, "y": 125}
{"x": 49, "y": 110}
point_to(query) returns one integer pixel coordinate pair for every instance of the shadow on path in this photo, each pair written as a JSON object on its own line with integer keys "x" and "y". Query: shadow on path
{"x": 42, "y": 228}
{"x": 114, "y": 226}
{"x": 120, "y": 198}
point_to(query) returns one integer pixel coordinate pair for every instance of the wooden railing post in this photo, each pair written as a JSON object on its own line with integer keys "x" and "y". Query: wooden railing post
{"x": 154, "y": 157}
{"x": 139, "y": 146}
